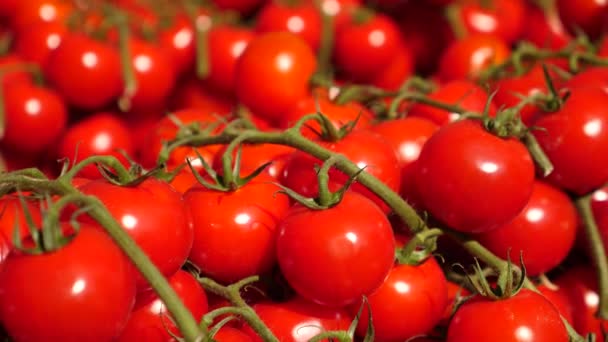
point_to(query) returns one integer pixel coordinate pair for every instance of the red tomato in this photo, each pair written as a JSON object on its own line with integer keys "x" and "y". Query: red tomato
{"x": 32, "y": 12}
{"x": 102, "y": 133}
{"x": 559, "y": 300}
{"x": 599, "y": 205}
{"x": 254, "y": 156}
{"x": 229, "y": 334}
{"x": 575, "y": 139}
{"x": 592, "y": 77}
{"x": 36, "y": 42}
{"x": 286, "y": 62}
{"x": 504, "y": 18}
{"x": 549, "y": 217}
{"x": 32, "y": 111}
{"x": 523, "y": 317}
{"x": 299, "y": 18}
{"x": 338, "y": 10}
{"x": 13, "y": 213}
{"x": 376, "y": 40}
{"x": 397, "y": 71}
{"x": 87, "y": 73}
{"x": 235, "y": 232}
{"x": 416, "y": 292}
{"x": 150, "y": 320}
{"x": 192, "y": 93}
{"x": 545, "y": 29}
{"x": 588, "y": 15}
{"x": 241, "y": 6}
{"x": 463, "y": 93}
{"x": 82, "y": 291}
{"x": 472, "y": 180}
{"x": 8, "y": 77}
{"x": 226, "y": 45}
{"x": 298, "y": 320}
{"x": 579, "y": 285}
{"x": 364, "y": 148}
{"x": 466, "y": 58}
{"x": 353, "y": 243}
{"x": 147, "y": 211}
{"x": 154, "y": 73}
{"x": 456, "y": 293}
{"x": 178, "y": 40}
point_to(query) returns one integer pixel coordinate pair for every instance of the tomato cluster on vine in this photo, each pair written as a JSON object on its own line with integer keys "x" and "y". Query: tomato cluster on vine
{"x": 296, "y": 170}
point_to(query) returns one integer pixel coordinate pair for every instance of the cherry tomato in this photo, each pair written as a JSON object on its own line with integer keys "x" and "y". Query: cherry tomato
{"x": 87, "y": 73}
{"x": 338, "y": 10}
{"x": 36, "y": 42}
{"x": 504, "y": 18}
{"x": 523, "y": 317}
{"x": 33, "y": 111}
{"x": 229, "y": 334}
{"x": 545, "y": 29}
{"x": 549, "y": 218}
{"x": 353, "y": 241}
{"x": 13, "y": 70}
{"x": 178, "y": 41}
{"x": 579, "y": 285}
{"x": 286, "y": 62}
{"x": 298, "y": 320}
{"x": 226, "y": 45}
{"x": 376, "y": 40}
{"x": 150, "y": 320}
{"x": 466, "y": 58}
{"x": 416, "y": 292}
{"x": 235, "y": 232}
{"x": 192, "y": 93}
{"x": 558, "y": 299}
{"x": 102, "y": 133}
{"x": 588, "y": 15}
{"x": 14, "y": 217}
{"x": 82, "y": 291}
{"x": 574, "y": 139}
{"x": 34, "y": 11}
{"x": 147, "y": 211}
{"x": 240, "y": 6}
{"x": 462, "y": 93}
{"x": 398, "y": 70}
{"x": 461, "y": 164}
{"x": 364, "y": 148}
{"x": 299, "y": 18}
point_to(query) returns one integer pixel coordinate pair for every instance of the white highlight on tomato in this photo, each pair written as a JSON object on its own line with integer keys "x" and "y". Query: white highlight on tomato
{"x": 480, "y": 56}
{"x": 593, "y": 128}
{"x": 535, "y": 215}
{"x": 47, "y": 12}
{"x": 182, "y": 38}
{"x": 142, "y": 63}
{"x": 402, "y": 287}
{"x": 600, "y": 195}
{"x": 78, "y": 286}
{"x": 295, "y": 24}
{"x": 284, "y": 61}
{"x": 33, "y": 107}
{"x": 524, "y": 334}
{"x": 102, "y": 141}
{"x": 331, "y": 7}
{"x": 203, "y": 23}
{"x": 129, "y": 221}
{"x": 484, "y": 22}
{"x": 410, "y": 150}
{"x": 592, "y": 299}
{"x": 89, "y": 59}
{"x": 488, "y": 167}
{"x": 242, "y": 218}
{"x": 53, "y": 41}
{"x": 238, "y": 48}
{"x": 306, "y": 330}
{"x": 376, "y": 38}
{"x": 352, "y": 237}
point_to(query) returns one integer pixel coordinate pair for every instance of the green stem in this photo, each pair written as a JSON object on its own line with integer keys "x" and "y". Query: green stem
{"x": 201, "y": 36}
{"x": 326, "y": 46}
{"x": 232, "y": 294}
{"x": 126, "y": 60}
{"x": 598, "y": 252}
{"x": 540, "y": 158}
{"x": 122, "y": 173}
{"x": 341, "y": 336}
{"x": 182, "y": 316}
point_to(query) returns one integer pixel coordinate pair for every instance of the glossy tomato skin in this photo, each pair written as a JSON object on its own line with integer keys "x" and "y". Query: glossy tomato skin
{"x": 559, "y": 299}
{"x": 588, "y": 15}
{"x": 37, "y": 42}
{"x": 102, "y": 133}
{"x": 364, "y": 148}
{"x": 549, "y": 217}
{"x": 353, "y": 243}
{"x": 463, "y": 93}
{"x": 545, "y": 29}
{"x": 301, "y": 19}
{"x": 9, "y": 78}
{"x": 46, "y": 309}
{"x": 150, "y": 320}
{"x": 13, "y": 212}
{"x": 85, "y": 72}
{"x": 467, "y": 57}
{"x": 298, "y": 320}
{"x": 504, "y": 18}
{"x": 230, "y": 334}
{"x": 519, "y": 318}
{"x": 148, "y": 211}
{"x": 579, "y": 285}
{"x": 32, "y": 111}
{"x": 397, "y": 71}
{"x": 376, "y": 40}
{"x": 35, "y": 11}
{"x": 273, "y": 73}
{"x": 575, "y": 139}
{"x": 235, "y": 232}
{"x": 226, "y": 45}
{"x": 472, "y": 180}
{"x": 416, "y": 292}
{"x": 178, "y": 41}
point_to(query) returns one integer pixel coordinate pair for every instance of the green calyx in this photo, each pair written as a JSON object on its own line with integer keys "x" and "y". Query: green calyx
{"x": 509, "y": 282}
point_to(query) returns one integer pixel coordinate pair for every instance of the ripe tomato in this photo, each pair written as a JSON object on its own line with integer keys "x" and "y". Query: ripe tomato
{"x": 588, "y": 15}
{"x": 575, "y": 138}
{"x": 353, "y": 241}
{"x": 150, "y": 320}
{"x": 579, "y": 285}
{"x": 82, "y": 291}
{"x": 226, "y": 45}
{"x": 178, "y": 40}
{"x": 545, "y": 29}
{"x": 549, "y": 217}
{"x": 559, "y": 300}
{"x": 32, "y": 111}
{"x": 285, "y": 62}
{"x": 300, "y": 18}
{"x": 364, "y": 148}
{"x": 523, "y": 317}
{"x": 87, "y": 73}
{"x": 376, "y": 40}
{"x": 465, "y": 94}
{"x": 416, "y": 292}
{"x": 102, "y": 133}
{"x": 192, "y": 93}
{"x": 235, "y": 232}
{"x": 503, "y": 18}
{"x": 230, "y": 334}
{"x": 12, "y": 73}
{"x": 147, "y": 211}
{"x": 461, "y": 164}
{"x": 36, "y": 42}
{"x": 35, "y": 11}
{"x": 12, "y": 212}
{"x": 397, "y": 71}
{"x": 466, "y": 58}
{"x": 298, "y": 320}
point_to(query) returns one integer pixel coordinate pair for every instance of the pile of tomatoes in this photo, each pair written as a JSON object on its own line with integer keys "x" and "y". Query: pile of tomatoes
{"x": 297, "y": 170}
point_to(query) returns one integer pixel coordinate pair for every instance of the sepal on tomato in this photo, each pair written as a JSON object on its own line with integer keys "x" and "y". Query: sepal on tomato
{"x": 510, "y": 281}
